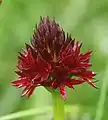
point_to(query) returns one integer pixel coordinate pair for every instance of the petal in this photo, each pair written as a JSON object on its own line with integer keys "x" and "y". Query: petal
{"x": 20, "y": 83}
{"x": 25, "y": 61}
{"x": 69, "y": 61}
{"x": 91, "y": 83}
{"x": 71, "y": 82}
{"x": 31, "y": 91}
{"x": 27, "y": 46}
{"x": 26, "y": 90}
{"x": 22, "y": 55}
{"x": 54, "y": 84}
{"x": 20, "y": 73}
{"x": 31, "y": 60}
{"x": 62, "y": 92}
{"x": 77, "y": 47}
{"x": 76, "y": 82}
{"x": 44, "y": 68}
{"x": 85, "y": 65}
{"x": 87, "y": 74}
{"x": 46, "y": 83}
{"x": 47, "y": 56}
{"x": 84, "y": 57}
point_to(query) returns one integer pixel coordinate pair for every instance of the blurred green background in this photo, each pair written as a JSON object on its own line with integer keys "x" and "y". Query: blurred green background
{"x": 86, "y": 20}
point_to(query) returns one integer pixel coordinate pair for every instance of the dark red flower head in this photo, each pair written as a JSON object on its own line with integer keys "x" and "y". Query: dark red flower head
{"x": 54, "y": 61}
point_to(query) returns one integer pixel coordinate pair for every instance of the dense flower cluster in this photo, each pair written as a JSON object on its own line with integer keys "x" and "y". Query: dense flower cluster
{"x": 53, "y": 60}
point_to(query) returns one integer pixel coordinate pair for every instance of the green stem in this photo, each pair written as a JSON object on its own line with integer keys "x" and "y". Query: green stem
{"x": 58, "y": 108}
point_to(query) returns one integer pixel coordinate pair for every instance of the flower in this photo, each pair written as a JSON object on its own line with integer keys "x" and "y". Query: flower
{"x": 53, "y": 60}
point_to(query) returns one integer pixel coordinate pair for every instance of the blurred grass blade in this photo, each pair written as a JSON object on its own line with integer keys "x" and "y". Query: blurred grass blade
{"x": 39, "y": 111}
{"x": 31, "y": 112}
{"x": 102, "y": 97}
